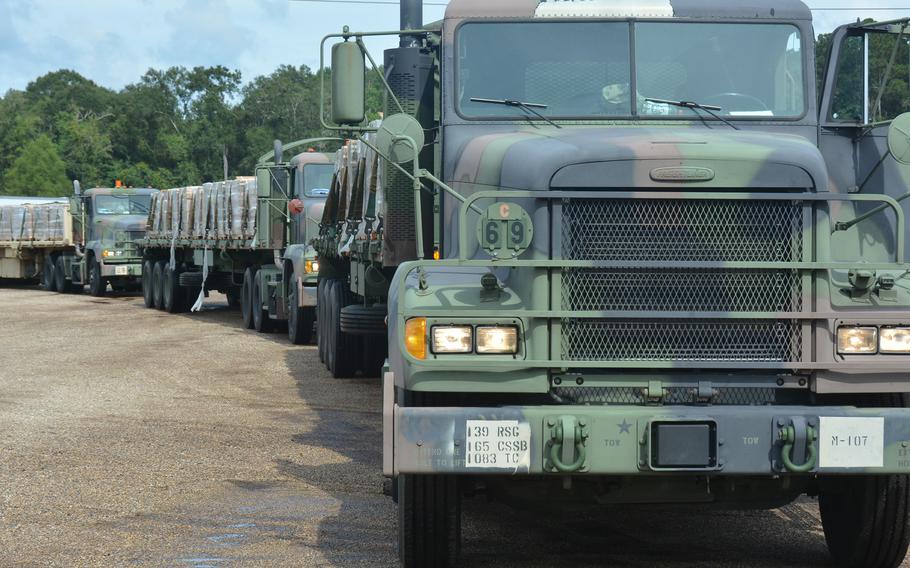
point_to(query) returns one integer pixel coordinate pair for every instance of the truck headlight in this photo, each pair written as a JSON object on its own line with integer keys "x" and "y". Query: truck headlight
{"x": 311, "y": 266}
{"x": 894, "y": 340}
{"x": 497, "y": 339}
{"x": 111, "y": 253}
{"x": 453, "y": 338}
{"x": 857, "y": 340}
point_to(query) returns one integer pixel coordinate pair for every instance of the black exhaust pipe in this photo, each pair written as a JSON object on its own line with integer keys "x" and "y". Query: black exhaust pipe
{"x": 411, "y": 19}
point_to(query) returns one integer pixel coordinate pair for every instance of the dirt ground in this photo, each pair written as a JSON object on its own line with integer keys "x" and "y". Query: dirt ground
{"x": 133, "y": 437}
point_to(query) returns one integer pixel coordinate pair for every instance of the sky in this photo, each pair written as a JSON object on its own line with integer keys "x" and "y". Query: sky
{"x": 113, "y": 42}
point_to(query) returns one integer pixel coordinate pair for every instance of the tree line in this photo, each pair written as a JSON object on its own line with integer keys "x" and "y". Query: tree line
{"x": 171, "y": 128}
{"x": 179, "y": 126}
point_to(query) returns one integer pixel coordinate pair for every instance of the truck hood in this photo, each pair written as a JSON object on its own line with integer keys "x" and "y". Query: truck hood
{"x": 637, "y": 157}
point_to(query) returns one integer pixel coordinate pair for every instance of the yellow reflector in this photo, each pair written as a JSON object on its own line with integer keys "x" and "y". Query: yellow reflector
{"x": 415, "y": 337}
{"x": 308, "y": 266}
{"x": 853, "y": 340}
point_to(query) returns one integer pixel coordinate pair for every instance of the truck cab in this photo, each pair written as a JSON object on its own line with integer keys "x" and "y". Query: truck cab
{"x": 638, "y": 257}
{"x": 109, "y": 222}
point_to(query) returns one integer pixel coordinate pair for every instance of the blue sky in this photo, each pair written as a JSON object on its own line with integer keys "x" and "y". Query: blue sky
{"x": 113, "y": 42}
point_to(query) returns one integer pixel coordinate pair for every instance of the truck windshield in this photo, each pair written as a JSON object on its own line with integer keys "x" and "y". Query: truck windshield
{"x": 317, "y": 178}
{"x": 122, "y": 204}
{"x": 584, "y": 69}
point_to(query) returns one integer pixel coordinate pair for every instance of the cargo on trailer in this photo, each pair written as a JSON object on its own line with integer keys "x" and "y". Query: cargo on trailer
{"x": 247, "y": 238}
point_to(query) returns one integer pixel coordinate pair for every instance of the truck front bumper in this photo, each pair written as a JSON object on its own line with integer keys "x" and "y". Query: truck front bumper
{"x": 643, "y": 440}
{"x": 124, "y": 269}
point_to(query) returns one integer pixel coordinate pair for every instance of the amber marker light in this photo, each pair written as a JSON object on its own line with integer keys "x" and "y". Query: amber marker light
{"x": 415, "y": 337}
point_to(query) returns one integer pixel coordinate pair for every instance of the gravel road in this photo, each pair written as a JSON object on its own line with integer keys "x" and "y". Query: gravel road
{"x": 134, "y": 437}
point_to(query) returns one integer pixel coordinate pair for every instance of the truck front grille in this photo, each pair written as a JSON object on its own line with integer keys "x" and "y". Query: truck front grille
{"x": 670, "y": 231}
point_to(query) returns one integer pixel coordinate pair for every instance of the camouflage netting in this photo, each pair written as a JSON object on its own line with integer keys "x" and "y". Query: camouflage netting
{"x": 219, "y": 210}
{"x": 44, "y": 223}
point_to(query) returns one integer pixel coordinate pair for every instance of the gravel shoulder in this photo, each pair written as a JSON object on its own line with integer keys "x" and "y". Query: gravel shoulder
{"x": 131, "y": 436}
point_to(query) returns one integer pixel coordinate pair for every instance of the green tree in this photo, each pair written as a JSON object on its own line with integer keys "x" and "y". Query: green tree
{"x": 38, "y": 171}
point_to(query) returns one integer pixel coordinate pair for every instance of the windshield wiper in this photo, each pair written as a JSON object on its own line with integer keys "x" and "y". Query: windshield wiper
{"x": 694, "y": 106}
{"x": 528, "y": 107}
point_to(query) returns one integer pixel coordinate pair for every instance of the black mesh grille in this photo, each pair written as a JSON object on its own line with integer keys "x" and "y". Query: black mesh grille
{"x": 684, "y": 290}
{"x": 740, "y": 396}
{"x": 681, "y": 340}
{"x": 682, "y": 230}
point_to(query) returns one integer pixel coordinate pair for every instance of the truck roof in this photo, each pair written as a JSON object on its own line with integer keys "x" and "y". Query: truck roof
{"x": 310, "y": 158}
{"x": 702, "y": 9}
{"x": 120, "y": 191}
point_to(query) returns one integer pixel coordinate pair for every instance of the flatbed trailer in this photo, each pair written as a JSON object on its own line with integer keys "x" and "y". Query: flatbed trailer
{"x": 245, "y": 238}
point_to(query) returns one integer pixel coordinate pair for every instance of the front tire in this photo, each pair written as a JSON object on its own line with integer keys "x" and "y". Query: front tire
{"x": 867, "y": 518}
{"x": 429, "y": 521}
{"x": 300, "y": 320}
{"x": 97, "y": 286}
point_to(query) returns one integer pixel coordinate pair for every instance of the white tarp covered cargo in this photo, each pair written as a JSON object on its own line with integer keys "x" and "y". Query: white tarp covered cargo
{"x": 219, "y": 210}
{"x": 39, "y": 223}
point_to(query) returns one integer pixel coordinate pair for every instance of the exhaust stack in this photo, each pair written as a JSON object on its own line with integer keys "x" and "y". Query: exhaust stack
{"x": 411, "y": 19}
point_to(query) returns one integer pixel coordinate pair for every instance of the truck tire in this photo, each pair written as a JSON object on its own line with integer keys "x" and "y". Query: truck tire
{"x": 375, "y": 351}
{"x": 233, "y": 297}
{"x": 261, "y": 320}
{"x": 61, "y": 284}
{"x": 429, "y": 520}
{"x": 867, "y": 518}
{"x": 321, "y": 318}
{"x": 343, "y": 350}
{"x": 362, "y": 320}
{"x": 300, "y": 320}
{"x": 246, "y": 299}
{"x": 47, "y": 274}
{"x": 148, "y": 294}
{"x": 97, "y": 285}
{"x": 158, "y": 285}
{"x": 172, "y": 296}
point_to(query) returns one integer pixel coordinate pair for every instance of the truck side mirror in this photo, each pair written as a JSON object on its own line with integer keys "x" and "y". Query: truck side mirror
{"x": 348, "y": 84}
{"x": 899, "y": 138}
{"x": 77, "y": 188}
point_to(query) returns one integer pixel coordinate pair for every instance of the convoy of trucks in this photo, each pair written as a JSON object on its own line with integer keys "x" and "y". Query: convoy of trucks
{"x": 601, "y": 253}
{"x": 91, "y": 240}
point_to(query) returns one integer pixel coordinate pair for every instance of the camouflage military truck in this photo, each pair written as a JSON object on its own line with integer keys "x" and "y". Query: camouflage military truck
{"x": 639, "y": 258}
{"x": 246, "y": 238}
{"x": 91, "y": 240}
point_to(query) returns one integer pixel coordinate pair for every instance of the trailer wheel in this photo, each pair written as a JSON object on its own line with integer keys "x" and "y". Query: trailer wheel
{"x": 158, "y": 284}
{"x": 62, "y": 285}
{"x": 300, "y": 320}
{"x": 429, "y": 520}
{"x": 343, "y": 349}
{"x": 172, "y": 296}
{"x": 261, "y": 321}
{"x": 97, "y": 286}
{"x": 246, "y": 299}
{"x": 148, "y": 295}
{"x": 47, "y": 274}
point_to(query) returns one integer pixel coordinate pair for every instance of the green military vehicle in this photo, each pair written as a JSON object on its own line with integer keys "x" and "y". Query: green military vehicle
{"x": 632, "y": 253}
{"x": 91, "y": 240}
{"x": 247, "y": 238}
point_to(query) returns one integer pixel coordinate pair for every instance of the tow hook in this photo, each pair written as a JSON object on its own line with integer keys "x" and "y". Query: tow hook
{"x": 567, "y": 451}
{"x": 803, "y": 438}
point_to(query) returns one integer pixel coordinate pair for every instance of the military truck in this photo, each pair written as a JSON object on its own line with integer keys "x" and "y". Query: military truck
{"x": 246, "y": 238}
{"x": 89, "y": 240}
{"x": 632, "y": 254}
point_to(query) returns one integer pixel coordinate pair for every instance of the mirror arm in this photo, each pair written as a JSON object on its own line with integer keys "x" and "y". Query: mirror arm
{"x": 844, "y": 225}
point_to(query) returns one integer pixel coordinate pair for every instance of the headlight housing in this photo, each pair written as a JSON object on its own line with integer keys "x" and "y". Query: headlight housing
{"x": 894, "y": 340}
{"x": 453, "y": 338}
{"x": 857, "y": 340}
{"x": 496, "y": 339}
{"x": 311, "y": 266}
{"x": 107, "y": 253}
